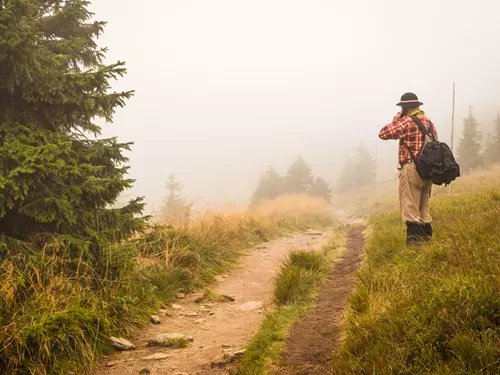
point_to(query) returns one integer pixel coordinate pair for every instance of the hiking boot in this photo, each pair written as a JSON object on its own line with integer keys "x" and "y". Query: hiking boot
{"x": 428, "y": 230}
{"x": 415, "y": 233}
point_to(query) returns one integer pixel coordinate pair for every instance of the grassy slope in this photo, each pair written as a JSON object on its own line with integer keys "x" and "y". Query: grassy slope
{"x": 56, "y": 313}
{"x": 433, "y": 309}
{"x": 296, "y": 287}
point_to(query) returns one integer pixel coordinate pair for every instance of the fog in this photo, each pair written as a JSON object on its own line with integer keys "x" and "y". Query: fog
{"x": 225, "y": 88}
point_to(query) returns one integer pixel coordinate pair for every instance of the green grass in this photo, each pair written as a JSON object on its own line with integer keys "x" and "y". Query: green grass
{"x": 296, "y": 287}
{"x": 434, "y": 309}
{"x": 57, "y": 312}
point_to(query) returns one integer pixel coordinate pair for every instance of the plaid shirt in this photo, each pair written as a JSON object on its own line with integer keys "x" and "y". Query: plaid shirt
{"x": 408, "y": 132}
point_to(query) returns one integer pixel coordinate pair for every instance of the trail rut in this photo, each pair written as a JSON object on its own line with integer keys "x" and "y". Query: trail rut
{"x": 314, "y": 337}
{"x": 231, "y": 326}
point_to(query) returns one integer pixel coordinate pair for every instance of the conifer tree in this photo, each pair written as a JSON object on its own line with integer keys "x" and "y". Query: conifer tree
{"x": 56, "y": 175}
{"x": 492, "y": 153}
{"x": 366, "y": 168}
{"x": 321, "y": 188}
{"x": 174, "y": 205}
{"x": 469, "y": 148}
{"x": 347, "y": 177}
{"x": 269, "y": 187}
{"x": 299, "y": 177}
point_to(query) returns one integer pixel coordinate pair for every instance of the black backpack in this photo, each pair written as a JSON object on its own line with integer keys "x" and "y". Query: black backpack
{"x": 436, "y": 161}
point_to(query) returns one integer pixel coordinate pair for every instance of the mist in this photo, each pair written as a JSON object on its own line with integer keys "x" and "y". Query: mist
{"x": 226, "y": 88}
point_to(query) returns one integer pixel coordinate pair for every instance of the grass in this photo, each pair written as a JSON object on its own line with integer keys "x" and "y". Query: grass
{"x": 434, "y": 309}
{"x": 57, "y": 313}
{"x": 296, "y": 287}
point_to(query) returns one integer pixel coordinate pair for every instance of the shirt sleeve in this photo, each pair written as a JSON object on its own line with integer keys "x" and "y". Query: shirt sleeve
{"x": 394, "y": 130}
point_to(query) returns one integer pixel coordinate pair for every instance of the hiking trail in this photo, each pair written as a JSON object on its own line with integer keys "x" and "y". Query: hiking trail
{"x": 312, "y": 339}
{"x": 214, "y": 327}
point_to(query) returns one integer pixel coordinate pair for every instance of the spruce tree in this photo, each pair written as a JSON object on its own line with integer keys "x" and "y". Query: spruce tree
{"x": 366, "y": 168}
{"x": 270, "y": 186}
{"x": 321, "y": 188}
{"x": 347, "y": 177}
{"x": 492, "y": 153}
{"x": 299, "y": 177}
{"x": 174, "y": 206}
{"x": 56, "y": 175}
{"x": 469, "y": 148}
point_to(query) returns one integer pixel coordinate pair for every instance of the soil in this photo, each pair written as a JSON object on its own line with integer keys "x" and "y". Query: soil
{"x": 312, "y": 340}
{"x": 215, "y": 328}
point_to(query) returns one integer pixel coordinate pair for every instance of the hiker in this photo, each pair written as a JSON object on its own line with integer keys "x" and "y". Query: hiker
{"x": 414, "y": 192}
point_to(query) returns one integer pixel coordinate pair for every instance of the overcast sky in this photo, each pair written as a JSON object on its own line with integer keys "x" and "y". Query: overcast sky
{"x": 225, "y": 88}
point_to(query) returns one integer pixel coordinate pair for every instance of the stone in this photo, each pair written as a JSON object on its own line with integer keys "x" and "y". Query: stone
{"x": 166, "y": 339}
{"x": 155, "y": 319}
{"x": 191, "y": 314}
{"x": 145, "y": 371}
{"x": 252, "y": 305}
{"x": 312, "y": 232}
{"x": 121, "y": 344}
{"x": 211, "y": 313}
{"x": 157, "y": 356}
{"x": 176, "y": 306}
{"x": 228, "y": 357}
{"x": 180, "y": 295}
{"x": 198, "y": 321}
{"x": 209, "y": 305}
{"x": 111, "y": 364}
{"x": 163, "y": 312}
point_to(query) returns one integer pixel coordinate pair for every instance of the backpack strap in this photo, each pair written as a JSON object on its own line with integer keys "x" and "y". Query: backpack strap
{"x": 410, "y": 152}
{"x": 422, "y": 128}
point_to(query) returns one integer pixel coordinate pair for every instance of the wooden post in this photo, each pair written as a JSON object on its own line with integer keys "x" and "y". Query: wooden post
{"x": 452, "y": 126}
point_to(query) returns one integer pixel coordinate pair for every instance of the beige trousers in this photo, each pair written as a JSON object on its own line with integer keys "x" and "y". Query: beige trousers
{"x": 414, "y": 195}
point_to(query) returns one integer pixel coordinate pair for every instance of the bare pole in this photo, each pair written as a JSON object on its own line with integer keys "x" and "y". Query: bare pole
{"x": 452, "y": 125}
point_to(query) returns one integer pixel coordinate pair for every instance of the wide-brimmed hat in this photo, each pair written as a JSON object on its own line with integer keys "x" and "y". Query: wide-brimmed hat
{"x": 409, "y": 100}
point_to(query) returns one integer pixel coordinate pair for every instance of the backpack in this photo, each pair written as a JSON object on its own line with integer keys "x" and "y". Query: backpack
{"x": 435, "y": 161}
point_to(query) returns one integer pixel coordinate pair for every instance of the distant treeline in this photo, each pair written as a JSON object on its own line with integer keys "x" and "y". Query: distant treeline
{"x": 299, "y": 179}
{"x": 472, "y": 154}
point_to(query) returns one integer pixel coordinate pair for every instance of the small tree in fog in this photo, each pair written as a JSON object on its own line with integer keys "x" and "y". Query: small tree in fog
{"x": 347, "y": 177}
{"x": 365, "y": 168}
{"x": 299, "y": 177}
{"x": 269, "y": 187}
{"x": 174, "y": 206}
{"x": 492, "y": 153}
{"x": 469, "y": 148}
{"x": 321, "y": 188}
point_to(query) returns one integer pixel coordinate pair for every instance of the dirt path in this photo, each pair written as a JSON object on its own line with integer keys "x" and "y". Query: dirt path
{"x": 313, "y": 338}
{"x": 224, "y": 326}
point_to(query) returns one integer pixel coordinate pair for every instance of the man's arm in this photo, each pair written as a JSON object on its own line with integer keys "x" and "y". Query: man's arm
{"x": 394, "y": 130}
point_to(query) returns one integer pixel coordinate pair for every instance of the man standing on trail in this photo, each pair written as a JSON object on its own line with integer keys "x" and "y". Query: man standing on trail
{"x": 414, "y": 193}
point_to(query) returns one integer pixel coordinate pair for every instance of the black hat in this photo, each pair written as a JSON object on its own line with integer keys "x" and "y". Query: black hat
{"x": 409, "y": 100}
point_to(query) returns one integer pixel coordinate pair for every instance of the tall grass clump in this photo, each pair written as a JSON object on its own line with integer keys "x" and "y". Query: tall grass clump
{"x": 433, "y": 309}
{"x": 58, "y": 309}
{"x": 296, "y": 286}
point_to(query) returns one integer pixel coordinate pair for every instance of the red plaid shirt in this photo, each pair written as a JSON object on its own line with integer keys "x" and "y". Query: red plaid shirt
{"x": 408, "y": 132}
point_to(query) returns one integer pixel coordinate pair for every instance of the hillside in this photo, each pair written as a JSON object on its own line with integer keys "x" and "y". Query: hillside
{"x": 433, "y": 309}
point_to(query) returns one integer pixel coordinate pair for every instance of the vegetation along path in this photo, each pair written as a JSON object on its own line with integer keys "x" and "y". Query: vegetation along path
{"x": 313, "y": 338}
{"x": 216, "y": 327}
